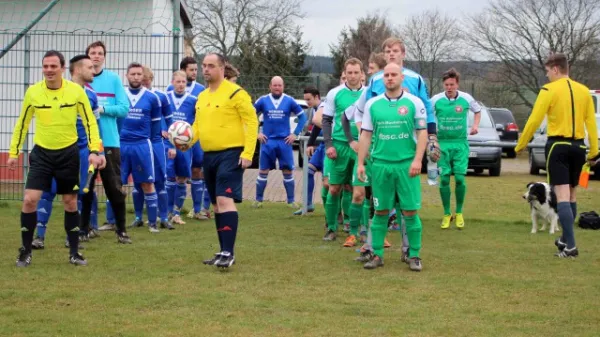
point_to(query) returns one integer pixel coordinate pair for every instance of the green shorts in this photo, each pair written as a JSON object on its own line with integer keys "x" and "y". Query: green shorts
{"x": 339, "y": 170}
{"x": 454, "y": 158}
{"x": 355, "y": 180}
{"x": 391, "y": 181}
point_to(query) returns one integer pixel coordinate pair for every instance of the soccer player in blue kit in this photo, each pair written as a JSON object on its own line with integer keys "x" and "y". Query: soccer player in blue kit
{"x": 159, "y": 134}
{"x": 179, "y": 165}
{"x": 277, "y": 138}
{"x": 137, "y": 153}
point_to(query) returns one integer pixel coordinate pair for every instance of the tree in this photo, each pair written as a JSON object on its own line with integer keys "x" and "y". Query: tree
{"x": 361, "y": 41}
{"x": 220, "y": 25}
{"x": 430, "y": 38}
{"x": 520, "y": 34}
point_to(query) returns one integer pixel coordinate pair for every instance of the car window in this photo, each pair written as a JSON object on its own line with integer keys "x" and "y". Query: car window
{"x": 502, "y": 116}
{"x": 486, "y": 121}
{"x": 595, "y": 99}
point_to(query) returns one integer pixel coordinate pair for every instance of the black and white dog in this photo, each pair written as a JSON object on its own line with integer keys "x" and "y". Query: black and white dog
{"x": 542, "y": 200}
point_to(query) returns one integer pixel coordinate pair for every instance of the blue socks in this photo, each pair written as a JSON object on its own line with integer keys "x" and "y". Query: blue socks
{"x": 151, "y": 206}
{"x": 311, "y": 185}
{"x": 206, "y": 198}
{"x": 170, "y": 187}
{"x": 565, "y": 215}
{"x": 137, "y": 195}
{"x": 288, "y": 183}
{"x": 180, "y": 194}
{"x": 162, "y": 200}
{"x": 261, "y": 184}
{"x": 227, "y": 227}
{"x": 197, "y": 191}
{"x": 44, "y": 211}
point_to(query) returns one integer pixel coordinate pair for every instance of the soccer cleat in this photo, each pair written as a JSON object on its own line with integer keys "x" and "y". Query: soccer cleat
{"x": 84, "y": 238}
{"x": 202, "y": 215}
{"x": 374, "y": 262}
{"x": 330, "y": 236}
{"x": 123, "y": 238}
{"x": 38, "y": 243}
{"x": 257, "y": 204}
{"x": 386, "y": 244}
{"x": 176, "y": 219}
{"x": 137, "y": 223}
{"x": 213, "y": 260}
{"x": 404, "y": 257}
{"x": 446, "y": 221}
{"x": 24, "y": 258}
{"x": 350, "y": 241}
{"x": 309, "y": 209}
{"x": 568, "y": 253}
{"x": 153, "y": 229}
{"x": 78, "y": 260}
{"x": 166, "y": 224}
{"x": 94, "y": 233}
{"x": 226, "y": 260}
{"x": 292, "y": 205}
{"x": 414, "y": 263}
{"x": 347, "y": 228}
{"x": 108, "y": 227}
{"x": 559, "y": 244}
{"x": 365, "y": 256}
{"x": 460, "y": 222}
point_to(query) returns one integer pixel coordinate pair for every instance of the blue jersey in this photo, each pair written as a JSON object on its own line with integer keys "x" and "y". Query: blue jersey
{"x": 413, "y": 83}
{"x": 144, "y": 114}
{"x": 183, "y": 107}
{"x": 166, "y": 118}
{"x": 82, "y": 139}
{"x": 276, "y": 115}
{"x": 193, "y": 88}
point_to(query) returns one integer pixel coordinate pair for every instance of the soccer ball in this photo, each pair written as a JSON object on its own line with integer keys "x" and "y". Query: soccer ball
{"x": 180, "y": 135}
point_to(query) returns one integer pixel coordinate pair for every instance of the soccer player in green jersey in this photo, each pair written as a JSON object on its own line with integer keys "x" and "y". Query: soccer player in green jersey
{"x": 395, "y": 123}
{"x": 452, "y": 111}
{"x": 340, "y": 155}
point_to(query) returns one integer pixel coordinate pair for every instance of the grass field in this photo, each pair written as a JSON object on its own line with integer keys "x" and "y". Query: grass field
{"x": 491, "y": 279}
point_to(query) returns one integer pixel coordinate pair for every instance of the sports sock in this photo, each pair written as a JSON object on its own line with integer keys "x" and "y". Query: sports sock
{"x": 162, "y": 200}
{"x": 461, "y": 191}
{"x": 228, "y": 227}
{"x": 379, "y": 230}
{"x": 197, "y": 190}
{"x": 405, "y": 239}
{"x": 574, "y": 210}
{"x": 138, "y": 200}
{"x": 41, "y": 230}
{"x": 413, "y": 232}
{"x": 332, "y": 209}
{"x": 565, "y": 215}
{"x": 170, "y": 187}
{"x": 366, "y": 209}
{"x": 94, "y": 212}
{"x": 261, "y": 184}
{"x": 311, "y": 186}
{"x": 219, "y": 235}
{"x": 205, "y": 198}
{"x": 28, "y": 223}
{"x": 180, "y": 195}
{"x": 72, "y": 229}
{"x": 324, "y": 193}
{"x": 356, "y": 213}
{"x": 445, "y": 193}
{"x": 151, "y": 206}
{"x": 288, "y": 183}
{"x": 346, "y": 201}
{"x": 110, "y": 215}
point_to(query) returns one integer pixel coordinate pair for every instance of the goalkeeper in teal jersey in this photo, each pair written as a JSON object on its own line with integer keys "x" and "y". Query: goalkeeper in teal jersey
{"x": 452, "y": 111}
{"x": 395, "y": 124}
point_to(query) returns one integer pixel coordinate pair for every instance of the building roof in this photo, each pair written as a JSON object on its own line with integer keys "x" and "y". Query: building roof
{"x": 185, "y": 18}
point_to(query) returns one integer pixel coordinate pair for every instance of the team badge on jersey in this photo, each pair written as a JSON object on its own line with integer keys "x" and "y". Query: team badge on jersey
{"x": 458, "y": 109}
{"x": 421, "y": 123}
{"x": 402, "y": 110}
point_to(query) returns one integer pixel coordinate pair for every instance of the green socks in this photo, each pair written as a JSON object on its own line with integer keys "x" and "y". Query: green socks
{"x": 445, "y": 193}
{"x": 366, "y": 213}
{"x": 379, "y": 230}
{"x": 324, "y": 193}
{"x": 332, "y": 209}
{"x": 461, "y": 191}
{"x": 346, "y": 201}
{"x": 356, "y": 213}
{"x": 413, "y": 232}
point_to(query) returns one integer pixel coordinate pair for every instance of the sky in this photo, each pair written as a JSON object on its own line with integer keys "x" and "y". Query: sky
{"x": 326, "y": 18}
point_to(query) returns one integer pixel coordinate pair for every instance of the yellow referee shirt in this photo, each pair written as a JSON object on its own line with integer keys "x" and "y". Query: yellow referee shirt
{"x": 55, "y": 112}
{"x": 569, "y": 109}
{"x": 226, "y": 118}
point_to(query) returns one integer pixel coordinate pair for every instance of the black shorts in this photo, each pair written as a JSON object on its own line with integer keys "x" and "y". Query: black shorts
{"x": 62, "y": 165}
{"x": 223, "y": 175}
{"x": 564, "y": 160}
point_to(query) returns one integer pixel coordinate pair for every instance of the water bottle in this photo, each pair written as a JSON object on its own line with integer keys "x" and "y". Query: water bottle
{"x": 432, "y": 173}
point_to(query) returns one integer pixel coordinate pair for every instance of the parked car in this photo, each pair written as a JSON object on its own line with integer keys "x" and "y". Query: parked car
{"x": 596, "y": 99}
{"x": 481, "y": 158}
{"x": 510, "y": 129}
{"x": 293, "y": 124}
{"x": 537, "y": 156}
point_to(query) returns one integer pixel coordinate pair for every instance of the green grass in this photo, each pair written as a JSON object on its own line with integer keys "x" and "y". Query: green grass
{"x": 492, "y": 279}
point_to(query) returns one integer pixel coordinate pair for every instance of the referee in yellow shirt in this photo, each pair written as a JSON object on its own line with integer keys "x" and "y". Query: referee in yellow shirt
{"x": 55, "y": 104}
{"x": 227, "y": 127}
{"x": 569, "y": 109}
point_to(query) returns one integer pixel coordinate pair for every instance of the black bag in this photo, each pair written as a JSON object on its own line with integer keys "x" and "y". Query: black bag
{"x": 589, "y": 220}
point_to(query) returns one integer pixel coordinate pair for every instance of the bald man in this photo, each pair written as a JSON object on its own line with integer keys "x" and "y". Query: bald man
{"x": 276, "y": 138}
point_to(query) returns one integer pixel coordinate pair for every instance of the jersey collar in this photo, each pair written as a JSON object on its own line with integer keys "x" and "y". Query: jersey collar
{"x": 347, "y": 87}
{"x": 394, "y": 98}
{"x": 452, "y": 99}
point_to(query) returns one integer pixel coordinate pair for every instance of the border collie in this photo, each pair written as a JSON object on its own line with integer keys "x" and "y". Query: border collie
{"x": 542, "y": 200}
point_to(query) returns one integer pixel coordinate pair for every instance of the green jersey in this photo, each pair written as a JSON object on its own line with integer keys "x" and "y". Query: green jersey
{"x": 453, "y": 115}
{"x": 394, "y": 123}
{"x": 338, "y": 100}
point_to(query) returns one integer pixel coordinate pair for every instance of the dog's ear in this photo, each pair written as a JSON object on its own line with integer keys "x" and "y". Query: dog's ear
{"x": 529, "y": 185}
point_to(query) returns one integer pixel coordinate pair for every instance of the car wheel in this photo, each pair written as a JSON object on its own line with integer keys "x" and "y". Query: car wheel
{"x": 511, "y": 153}
{"x": 478, "y": 170}
{"x": 533, "y": 169}
{"x": 495, "y": 170}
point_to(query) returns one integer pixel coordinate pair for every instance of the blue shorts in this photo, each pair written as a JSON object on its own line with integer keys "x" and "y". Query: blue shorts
{"x": 137, "y": 159}
{"x": 197, "y": 155}
{"x": 276, "y": 150}
{"x": 318, "y": 158}
{"x": 223, "y": 175}
{"x": 181, "y": 165}
{"x": 160, "y": 161}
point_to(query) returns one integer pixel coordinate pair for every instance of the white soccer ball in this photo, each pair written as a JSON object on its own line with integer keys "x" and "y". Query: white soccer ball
{"x": 181, "y": 135}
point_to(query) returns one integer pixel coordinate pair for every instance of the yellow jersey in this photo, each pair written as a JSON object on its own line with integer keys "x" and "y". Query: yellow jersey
{"x": 569, "y": 109}
{"x": 55, "y": 112}
{"x": 226, "y": 118}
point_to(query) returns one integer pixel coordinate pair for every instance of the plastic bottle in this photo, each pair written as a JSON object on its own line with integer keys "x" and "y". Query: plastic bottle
{"x": 432, "y": 173}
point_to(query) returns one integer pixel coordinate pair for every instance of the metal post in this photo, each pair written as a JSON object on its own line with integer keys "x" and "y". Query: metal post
{"x": 26, "y": 76}
{"x": 25, "y": 30}
{"x": 176, "y": 33}
{"x": 304, "y": 176}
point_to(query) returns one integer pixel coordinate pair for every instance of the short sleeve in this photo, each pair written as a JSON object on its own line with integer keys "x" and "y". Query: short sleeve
{"x": 420, "y": 114}
{"x": 367, "y": 122}
{"x": 473, "y": 104}
{"x": 329, "y": 109}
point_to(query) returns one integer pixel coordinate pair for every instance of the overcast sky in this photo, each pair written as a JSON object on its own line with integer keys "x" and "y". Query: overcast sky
{"x": 326, "y": 18}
